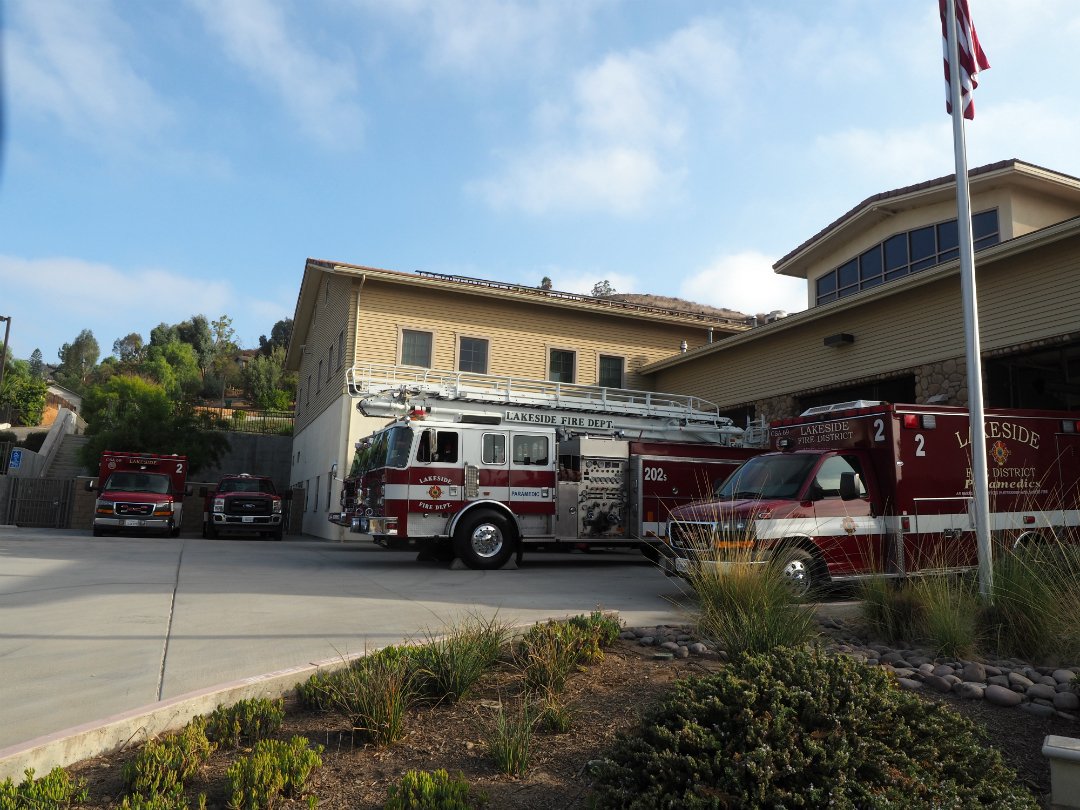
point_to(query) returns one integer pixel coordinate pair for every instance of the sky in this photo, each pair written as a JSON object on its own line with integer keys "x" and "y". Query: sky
{"x": 167, "y": 159}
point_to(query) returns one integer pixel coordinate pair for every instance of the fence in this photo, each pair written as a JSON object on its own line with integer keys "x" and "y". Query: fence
{"x": 267, "y": 422}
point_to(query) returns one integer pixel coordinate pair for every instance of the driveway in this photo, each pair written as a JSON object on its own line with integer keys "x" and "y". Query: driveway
{"x": 90, "y": 627}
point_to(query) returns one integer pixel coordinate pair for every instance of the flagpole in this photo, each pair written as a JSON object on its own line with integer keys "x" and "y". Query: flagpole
{"x": 971, "y": 317}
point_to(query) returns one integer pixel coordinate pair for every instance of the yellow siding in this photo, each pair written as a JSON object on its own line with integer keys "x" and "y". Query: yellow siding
{"x": 334, "y": 312}
{"x": 519, "y": 335}
{"x": 893, "y": 334}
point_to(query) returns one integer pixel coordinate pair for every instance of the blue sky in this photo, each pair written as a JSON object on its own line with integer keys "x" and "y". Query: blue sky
{"x": 165, "y": 159}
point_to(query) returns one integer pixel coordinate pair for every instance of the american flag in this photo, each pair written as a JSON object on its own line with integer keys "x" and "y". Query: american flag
{"x": 972, "y": 58}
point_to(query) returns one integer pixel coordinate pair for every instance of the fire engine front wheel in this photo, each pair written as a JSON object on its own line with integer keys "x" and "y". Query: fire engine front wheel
{"x": 484, "y": 541}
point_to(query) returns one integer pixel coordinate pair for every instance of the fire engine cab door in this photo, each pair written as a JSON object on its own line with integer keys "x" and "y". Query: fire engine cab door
{"x": 436, "y": 481}
{"x": 487, "y": 466}
{"x": 531, "y": 496}
{"x": 851, "y": 537}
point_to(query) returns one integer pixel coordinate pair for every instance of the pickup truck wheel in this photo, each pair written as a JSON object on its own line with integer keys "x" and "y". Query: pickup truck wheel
{"x": 484, "y": 541}
{"x": 800, "y": 570}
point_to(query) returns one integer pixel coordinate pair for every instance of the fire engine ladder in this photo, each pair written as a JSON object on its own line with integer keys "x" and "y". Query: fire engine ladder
{"x": 387, "y": 390}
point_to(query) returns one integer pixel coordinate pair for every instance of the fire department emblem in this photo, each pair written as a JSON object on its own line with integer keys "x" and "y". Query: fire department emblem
{"x": 1000, "y": 453}
{"x": 435, "y": 492}
{"x": 848, "y": 525}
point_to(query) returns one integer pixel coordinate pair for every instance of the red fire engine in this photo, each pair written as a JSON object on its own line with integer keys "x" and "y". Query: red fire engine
{"x": 139, "y": 492}
{"x": 864, "y": 488}
{"x": 480, "y": 467}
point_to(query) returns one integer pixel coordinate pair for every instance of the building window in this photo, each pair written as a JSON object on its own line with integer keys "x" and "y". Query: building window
{"x": 415, "y": 348}
{"x": 903, "y": 254}
{"x": 610, "y": 373}
{"x": 318, "y": 379}
{"x": 473, "y": 355}
{"x": 329, "y": 362}
{"x": 561, "y": 365}
{"x": 315, "y": 500}
{"x": 299, "y": 396}
{"x": 340, "y": 349}
{"x": 307, "y": 399}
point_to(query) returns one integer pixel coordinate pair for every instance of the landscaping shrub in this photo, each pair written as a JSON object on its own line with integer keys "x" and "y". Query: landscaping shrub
{"x": 950, "y": 613}
{"x": 509, "y": 740}
{"x": 747, "y": 607}
{"x": 275, "y": 768}
{"x": 598, "y": 631}
{"x": 547, "y": 654}
{"x": 248, "y": 720}
{"x": 163, "y": 765}
{"x": 173, "y": 800}
{"x": 554, "y": 716}
{"x": 314, "y": 693}
{"x": 799, "y": 728}
{"x": 55, "y": 790}
{"x": 447, "y": 666}
{"x": 373, "y": 693}
{"x": 432, "y": 790}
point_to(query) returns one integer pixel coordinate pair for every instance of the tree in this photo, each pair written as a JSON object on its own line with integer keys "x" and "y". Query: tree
{"x": 162, "y": 334}
{"x": 196, "y": 332}
{"x": 132, "y": 413}
{"x": 545, "y": 283}
{"x": 77, "y": 359}
{"x": 280, "y": 335}
{"x": 22, "y": 397}
{"x": 223, "y": 364}
{"x": 176, "y": 367}
{"x": 37, "y": 365}
{"x": 129, "y": 349}
{"x": 602, "y": 289}
{"x": 264, "y": 381}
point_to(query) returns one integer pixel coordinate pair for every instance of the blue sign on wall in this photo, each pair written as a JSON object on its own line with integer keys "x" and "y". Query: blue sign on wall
{"x": 16, "y": 459}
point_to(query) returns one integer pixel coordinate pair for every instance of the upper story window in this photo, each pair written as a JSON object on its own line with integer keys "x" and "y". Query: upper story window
{"x": 561, "y": 365}
{"x": 341, "y": 348}
{"x": 610, "y": 372}
{"x": 473, "y": 355}
{"x": 329, "y": 362}
{"x": 903, "y": 254}
{"x": 415, "y": 348}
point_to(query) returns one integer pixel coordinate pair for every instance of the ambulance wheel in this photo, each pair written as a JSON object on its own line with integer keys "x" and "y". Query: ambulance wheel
{"x": 484, "y": 541}
{"x": 800, "y": 570}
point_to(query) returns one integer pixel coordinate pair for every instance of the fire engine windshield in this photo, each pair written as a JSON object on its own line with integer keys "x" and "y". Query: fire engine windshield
{"x": 771, "y": 476}
{"x": 388, "y": 448}
{"x": 138, "y": 482}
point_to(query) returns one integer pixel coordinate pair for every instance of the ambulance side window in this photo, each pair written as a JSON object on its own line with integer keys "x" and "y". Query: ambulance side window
{"x": 494, "y": 450}
{"x": 531, "y": 450}
{"x": 827, "y": 482}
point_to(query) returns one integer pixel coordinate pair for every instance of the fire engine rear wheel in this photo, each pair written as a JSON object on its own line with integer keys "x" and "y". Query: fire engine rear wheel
{"x": 484, "y": 541}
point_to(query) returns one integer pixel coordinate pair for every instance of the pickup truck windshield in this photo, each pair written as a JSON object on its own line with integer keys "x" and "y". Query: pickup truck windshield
{"x": 247, "y": 485}
{"x": 770, "y": 476}
{"x": 137, "y": 482}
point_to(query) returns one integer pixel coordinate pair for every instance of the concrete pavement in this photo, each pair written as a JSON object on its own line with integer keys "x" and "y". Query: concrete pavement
{"x": 138, "y": 630}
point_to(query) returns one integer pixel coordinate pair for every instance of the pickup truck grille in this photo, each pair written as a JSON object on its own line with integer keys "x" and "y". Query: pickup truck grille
{"x": 133, "y": 509}
{"x": 248, "y": 506}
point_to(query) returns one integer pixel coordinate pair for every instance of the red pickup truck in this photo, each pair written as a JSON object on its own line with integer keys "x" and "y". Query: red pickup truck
{"x": 243, "y": 504}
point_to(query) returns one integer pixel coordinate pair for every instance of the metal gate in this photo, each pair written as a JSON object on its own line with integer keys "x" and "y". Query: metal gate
{"x": 41, "y": 503}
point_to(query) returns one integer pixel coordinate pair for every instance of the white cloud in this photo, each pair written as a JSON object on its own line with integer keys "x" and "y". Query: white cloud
{"x": 68, "y": 62}
{"x": 318, "y": 91}
{"x": 746, "y": 283}
{"x": 52, "y": 299}
{"x": 615, "y": 146}
{"x": 488, "y": 38}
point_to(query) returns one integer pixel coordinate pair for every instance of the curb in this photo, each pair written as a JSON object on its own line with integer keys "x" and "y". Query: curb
{"x": 136, "y": 726}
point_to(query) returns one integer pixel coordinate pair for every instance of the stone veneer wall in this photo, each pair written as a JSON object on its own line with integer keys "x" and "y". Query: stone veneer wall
{"x": 946, "y": 381}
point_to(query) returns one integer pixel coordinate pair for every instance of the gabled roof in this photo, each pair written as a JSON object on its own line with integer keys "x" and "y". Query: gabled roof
{"x": 871, "y": 210}
{"x": 465, "y": 285}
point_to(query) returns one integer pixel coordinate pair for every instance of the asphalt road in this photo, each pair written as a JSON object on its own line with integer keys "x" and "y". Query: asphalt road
{"x": 90, "y": 627}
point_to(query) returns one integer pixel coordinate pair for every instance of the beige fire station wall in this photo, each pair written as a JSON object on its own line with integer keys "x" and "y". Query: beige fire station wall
{"x": 333, "y": 323}
{"x": 1022, "y": 299}
{"x": 519, "y": 335}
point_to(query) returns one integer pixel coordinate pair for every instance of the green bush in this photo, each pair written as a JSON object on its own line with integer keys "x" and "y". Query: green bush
{"x": 554, "y": 716}
{"x": 432, "y": 790}
{"x": 599, "y": 631}
{"x": 796, "y": 727}
{"x": 373, "y": 693}
{"x": 162, "y": 766}
{"x": 248, "y": 720}
{"x": 547, "y": 654}
{"x": 509, "y": 740}
{"x": 314, "y": 693}
{"x": 275, "y": 768}
{"x": 54, "y": 790}
{"x": 173, "y": 800}
{"x": 447, "y": 666}
{"x": 35, "y": 440}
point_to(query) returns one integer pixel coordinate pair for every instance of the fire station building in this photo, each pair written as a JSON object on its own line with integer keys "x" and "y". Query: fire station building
{"x": 884, "y": 321}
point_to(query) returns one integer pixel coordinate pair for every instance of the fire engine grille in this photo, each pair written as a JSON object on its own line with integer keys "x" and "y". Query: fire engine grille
{"x": 248, "y": 506}
{"x": 136, "y": 509}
